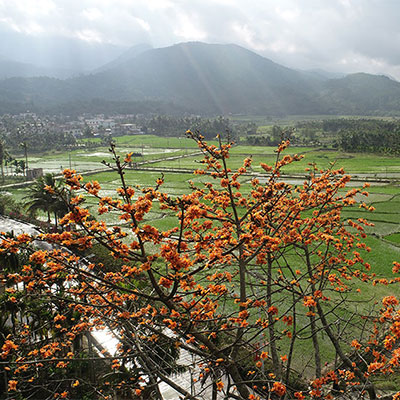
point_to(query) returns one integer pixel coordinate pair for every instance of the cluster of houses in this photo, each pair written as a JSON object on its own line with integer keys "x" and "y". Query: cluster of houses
{"x": 36, "y": 132}
{"x": 84, "y": 126}
{"x": 101, "y": 126}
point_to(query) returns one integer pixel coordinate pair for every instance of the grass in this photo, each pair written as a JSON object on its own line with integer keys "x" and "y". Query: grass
{"x": 384, "y": 238}
{"x": 244, "y": 150}
{"x": 154, "y": 147}
{"x": 394, "y": 237}
{"x": 385, "y": 198}
{"x": 385, "y": 218}
{"x": 370, "y": 164}
{"x": 152, "y": 141}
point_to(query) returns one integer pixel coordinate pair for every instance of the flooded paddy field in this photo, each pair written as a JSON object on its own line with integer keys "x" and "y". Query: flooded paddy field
{"x": 175, "y": 158}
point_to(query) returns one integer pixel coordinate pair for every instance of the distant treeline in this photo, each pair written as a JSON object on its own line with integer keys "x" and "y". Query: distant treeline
{"x": 166, "y": 125}
{"x": 273, "y": 137}
{"x": 94, "y": 106}
{"x": 358, "y": 135}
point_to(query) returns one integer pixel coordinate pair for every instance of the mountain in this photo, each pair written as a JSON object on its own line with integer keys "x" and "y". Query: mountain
{"x": 318, "y": 73}
{"x": 208, "y": 79}
{"x": 205, "y": 77}
{"x": 361, "y": 93}
{"x": 124, "y": 58}
{"x": 11, "y": 69}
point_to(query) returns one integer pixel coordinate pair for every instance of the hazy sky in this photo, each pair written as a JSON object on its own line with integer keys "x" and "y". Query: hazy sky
{"x": 337, "y": 35}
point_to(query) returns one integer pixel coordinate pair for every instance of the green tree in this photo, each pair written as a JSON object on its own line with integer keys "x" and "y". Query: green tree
{"x": 41, "y": 197}
{"x": 2, "y": 154}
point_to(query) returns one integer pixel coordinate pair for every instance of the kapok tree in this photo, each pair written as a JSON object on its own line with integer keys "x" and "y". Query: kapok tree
{"x": 250, "y": 285}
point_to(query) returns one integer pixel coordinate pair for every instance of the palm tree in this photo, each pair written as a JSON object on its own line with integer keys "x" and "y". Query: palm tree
{"x": 2, "y": 151}
{"x": 4, "y": 158}
{"x": 39, "y": 198}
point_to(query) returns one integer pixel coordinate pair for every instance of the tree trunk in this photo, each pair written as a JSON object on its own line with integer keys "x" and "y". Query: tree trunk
{"x": 314, "y": 330}
{"x": 271, "y": 323}
{"x": 369, "y": 387}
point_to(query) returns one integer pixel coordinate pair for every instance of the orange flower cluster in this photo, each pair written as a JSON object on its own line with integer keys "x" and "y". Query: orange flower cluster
{"x": 279, "y": 389}
{"x": 215, "y": 280}
{"x": 7, "y": 347}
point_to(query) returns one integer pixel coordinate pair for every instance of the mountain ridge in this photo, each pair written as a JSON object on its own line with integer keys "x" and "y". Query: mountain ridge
{"x": 212, "y": 79}
{"x": 126, "y": 56}
{"x": 15, "y": 69}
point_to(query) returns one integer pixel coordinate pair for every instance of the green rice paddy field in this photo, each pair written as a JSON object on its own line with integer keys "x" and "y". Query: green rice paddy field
{"x": 174, "y": 154}
{"x": 384, "y": 193}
